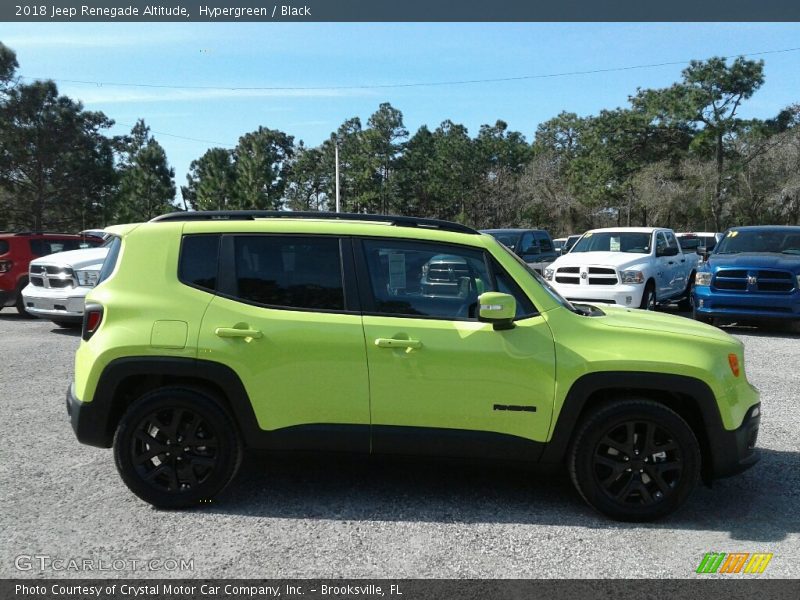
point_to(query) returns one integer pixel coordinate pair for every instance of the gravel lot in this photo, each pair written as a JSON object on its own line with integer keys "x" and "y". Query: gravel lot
{"x": 320, "y": 518}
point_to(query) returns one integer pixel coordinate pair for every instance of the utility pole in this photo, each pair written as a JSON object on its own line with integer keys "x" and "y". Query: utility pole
{"x": 336, "y": 160}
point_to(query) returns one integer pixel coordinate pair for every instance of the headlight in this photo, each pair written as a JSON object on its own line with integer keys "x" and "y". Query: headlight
{"x": 632, "y": 276}
{"x": 87, "y": 278}
{"x": 548, "y": 274}
{"x": 702, "y": 278}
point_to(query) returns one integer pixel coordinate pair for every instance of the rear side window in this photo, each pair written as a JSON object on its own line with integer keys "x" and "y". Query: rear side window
{"x": 199, "y": 261}
{"x": 3, "y": 246}
{"x": 113, "y": 243}
{"x": 544, "y": 242}
{"x": 300, "y": 272}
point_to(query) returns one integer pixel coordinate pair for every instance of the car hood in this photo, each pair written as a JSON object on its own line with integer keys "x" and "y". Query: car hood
{"x": 77, "y": 259}
{"x": 614, "y": 259}
{"x": 618, "y": 316}
{"x": 756, "y": 260}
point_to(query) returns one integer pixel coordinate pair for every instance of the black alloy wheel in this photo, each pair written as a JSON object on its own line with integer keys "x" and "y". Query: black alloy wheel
{"x": 176, "y": 448}
{"x": 635, "y": 460}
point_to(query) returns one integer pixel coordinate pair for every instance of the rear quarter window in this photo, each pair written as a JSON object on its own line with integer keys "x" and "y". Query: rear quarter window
{"x": 199, "y": 261}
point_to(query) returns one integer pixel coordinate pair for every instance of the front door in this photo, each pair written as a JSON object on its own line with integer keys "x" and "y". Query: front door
{"x": 441, "y": 382}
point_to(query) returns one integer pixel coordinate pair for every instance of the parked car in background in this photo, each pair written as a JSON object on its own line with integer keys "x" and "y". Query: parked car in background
{"x": 18, "y": 249}
{"x": 753, "y": 273}
{"x": 534, "y": 246}
{"x": 632, "y": 266}
{"x": 701, "y": 242}
{"x": 58, "y": 284}
{"x": 571, "y": 241}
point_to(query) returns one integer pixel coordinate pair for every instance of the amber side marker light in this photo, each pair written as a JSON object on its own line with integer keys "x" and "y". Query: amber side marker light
{"x": 733, "y": 361}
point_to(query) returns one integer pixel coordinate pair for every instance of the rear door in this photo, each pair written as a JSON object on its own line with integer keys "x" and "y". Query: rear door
{"x": 287, "y": 324}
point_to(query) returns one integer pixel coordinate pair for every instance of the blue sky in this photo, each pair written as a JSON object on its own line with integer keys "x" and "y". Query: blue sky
{"x": 341, "y": 54}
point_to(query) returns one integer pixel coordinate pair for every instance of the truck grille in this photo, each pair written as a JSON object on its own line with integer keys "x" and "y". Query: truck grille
{"x": 595, "y": 275}
{"x": 447, "y": 272}
{"x": 757, "y": 281}
{"x": 50, "y": 276}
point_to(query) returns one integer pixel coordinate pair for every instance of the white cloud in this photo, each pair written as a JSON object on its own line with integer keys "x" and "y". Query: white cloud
{"x": 119, "y": 95}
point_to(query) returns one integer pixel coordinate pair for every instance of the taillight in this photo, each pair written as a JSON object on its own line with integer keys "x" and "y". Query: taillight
{"x": 5, "y": 266}
{"x": 92, "y": 317}
{"x": 733, "y": 361}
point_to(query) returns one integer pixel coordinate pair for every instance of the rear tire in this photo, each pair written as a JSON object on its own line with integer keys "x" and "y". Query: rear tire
{"x": 176, "y": 448}
{"x": 635, "y": 460}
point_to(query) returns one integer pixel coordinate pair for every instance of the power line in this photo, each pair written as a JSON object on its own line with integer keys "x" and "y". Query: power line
{"x": 400, "y": 85}
{"x": 181, "y": 137}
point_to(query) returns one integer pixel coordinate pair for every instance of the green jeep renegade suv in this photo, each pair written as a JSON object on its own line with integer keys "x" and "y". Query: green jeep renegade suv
{"x": 214, "y": 332}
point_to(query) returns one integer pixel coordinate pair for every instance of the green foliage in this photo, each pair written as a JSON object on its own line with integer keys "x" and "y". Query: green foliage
{"x": 211, "y": 182}
{"x": 56, "y": 167}
{"x": 261, "y": 162}
{"x": 146, "y": 181}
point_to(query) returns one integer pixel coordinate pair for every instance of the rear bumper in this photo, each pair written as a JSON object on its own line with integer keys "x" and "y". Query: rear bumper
{"x": 7, "y": 298}
{"x": 89, "y": 420}
{"x": 712, "y": 303}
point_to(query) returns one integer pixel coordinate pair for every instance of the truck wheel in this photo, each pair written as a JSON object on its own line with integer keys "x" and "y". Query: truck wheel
{"x": 635, "y": 460}
{"x": 20, "y": 303}
{"x": 648, "y": 297}
{"x": 176, "y": 448}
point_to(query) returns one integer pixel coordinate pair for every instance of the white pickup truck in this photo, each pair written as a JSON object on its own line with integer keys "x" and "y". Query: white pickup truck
{"x": 58, "y": 284}
{"x": 638, "y": 267}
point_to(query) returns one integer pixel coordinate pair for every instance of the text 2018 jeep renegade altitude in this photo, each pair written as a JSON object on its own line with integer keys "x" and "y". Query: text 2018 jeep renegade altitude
{"x": 212, "y": 332}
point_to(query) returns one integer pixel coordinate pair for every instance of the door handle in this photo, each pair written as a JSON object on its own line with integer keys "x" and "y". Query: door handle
{"x": 393, "y": 343}
{"x": 672, "y": 262}
{"x": 233, "y": 332}
{"x": 683, "y": 260}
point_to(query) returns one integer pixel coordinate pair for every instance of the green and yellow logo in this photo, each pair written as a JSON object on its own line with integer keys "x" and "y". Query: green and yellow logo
{"x": 734, "y": 562}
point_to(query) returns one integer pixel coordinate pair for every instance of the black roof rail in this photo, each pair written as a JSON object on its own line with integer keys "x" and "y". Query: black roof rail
{"x": 249, "y": 215}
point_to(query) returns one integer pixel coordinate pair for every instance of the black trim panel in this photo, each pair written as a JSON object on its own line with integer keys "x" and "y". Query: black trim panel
{"x": 453, "y": 443}
{"x": 729, "y": 455}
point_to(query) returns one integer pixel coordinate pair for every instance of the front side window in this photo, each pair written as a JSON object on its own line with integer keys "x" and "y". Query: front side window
{"x": 418, "y": 279}
{"x": 300, "y": 272}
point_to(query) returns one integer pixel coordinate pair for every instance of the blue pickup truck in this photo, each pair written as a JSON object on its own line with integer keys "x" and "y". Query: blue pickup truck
{"x": 753, "y": 274}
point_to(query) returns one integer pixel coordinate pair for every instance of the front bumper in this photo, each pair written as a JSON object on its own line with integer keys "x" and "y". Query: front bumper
{"x": 714, "y": 303}
{"x": 629, "y": 295}
{"x": 54, "y": 304}
{"x": 735, "y": 451}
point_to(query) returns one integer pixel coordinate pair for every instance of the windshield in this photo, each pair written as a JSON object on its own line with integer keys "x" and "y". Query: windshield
{"x": 785, "y": 241}
{"x": 614, "y": 241}
{"x": 550, "y": 289}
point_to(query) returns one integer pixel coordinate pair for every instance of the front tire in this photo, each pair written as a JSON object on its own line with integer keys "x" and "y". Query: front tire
{"x": 176, "y": 448}
{"x": 635, "y": 460}
{"x": 648, "y": 297}
{"x": 20, "y": 303}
